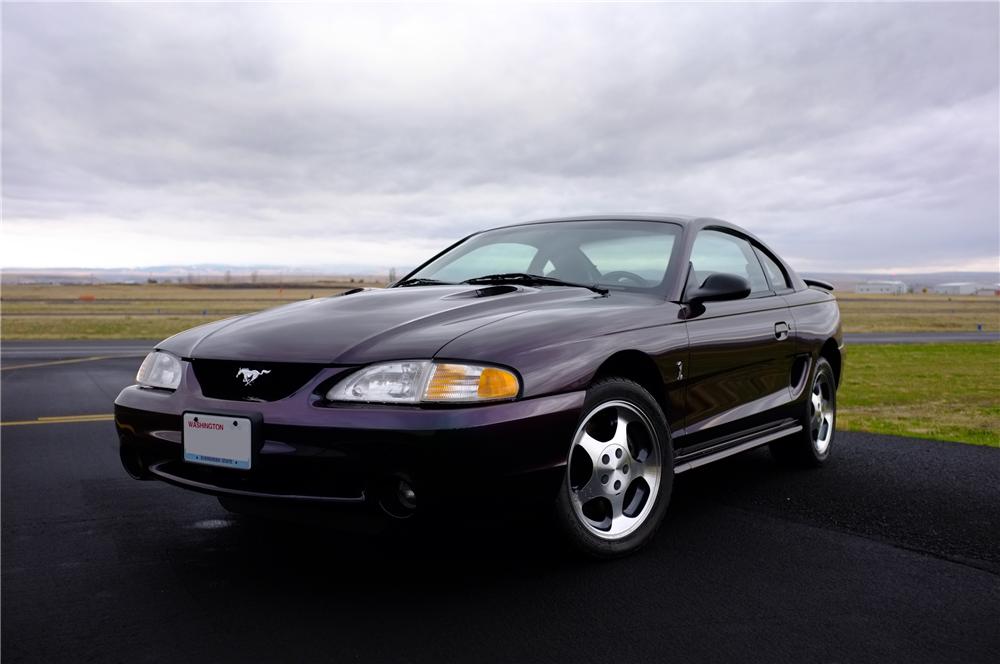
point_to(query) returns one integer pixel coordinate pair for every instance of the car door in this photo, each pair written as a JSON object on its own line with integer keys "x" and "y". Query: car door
{"x": 740, "y": 351}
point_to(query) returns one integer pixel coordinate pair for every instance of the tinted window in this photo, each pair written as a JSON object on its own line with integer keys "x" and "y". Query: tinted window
{"x": 714, "y": 251}
{"x": 627, "y": 255}
{"x": 774, "y": 271}
{"x": 488, "y": 259}
{"x": 644, "y": 255}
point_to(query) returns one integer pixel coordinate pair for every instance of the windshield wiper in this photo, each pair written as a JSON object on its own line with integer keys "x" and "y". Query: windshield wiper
{"x": 537, "y": 279}
{"x": 420, "y": 281}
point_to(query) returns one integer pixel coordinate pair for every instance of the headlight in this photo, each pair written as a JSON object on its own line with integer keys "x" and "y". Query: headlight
{"x": 160, "y": 369}
{"x": 418, "y": 381}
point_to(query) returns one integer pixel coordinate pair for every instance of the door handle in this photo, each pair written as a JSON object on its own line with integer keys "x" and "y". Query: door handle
{"x": 781, "y": 331}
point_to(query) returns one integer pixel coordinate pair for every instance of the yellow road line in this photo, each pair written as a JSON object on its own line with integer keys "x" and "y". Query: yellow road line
{"x": 54, "y": 362}
{"x": 102, "y": 416}
{"x": 62, "y": 419}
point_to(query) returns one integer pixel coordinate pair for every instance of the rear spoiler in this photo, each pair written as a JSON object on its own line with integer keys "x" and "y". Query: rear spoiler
{"x": 819, "y": 283}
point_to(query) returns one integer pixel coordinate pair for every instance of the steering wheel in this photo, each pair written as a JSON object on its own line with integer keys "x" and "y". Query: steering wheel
{"x": 617, "y": 276}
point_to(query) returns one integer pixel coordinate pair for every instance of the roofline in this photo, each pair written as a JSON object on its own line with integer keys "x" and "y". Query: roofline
{"x": 682, "y": 219}
{"x": 690, "y": 221}
{"x": 692, "y": 224}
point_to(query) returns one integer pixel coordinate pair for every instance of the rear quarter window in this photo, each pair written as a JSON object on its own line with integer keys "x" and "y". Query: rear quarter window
{"x": 777, "y": 276}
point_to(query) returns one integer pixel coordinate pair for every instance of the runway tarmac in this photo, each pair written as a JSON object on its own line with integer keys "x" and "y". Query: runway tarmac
{"x": 889, "y": 553}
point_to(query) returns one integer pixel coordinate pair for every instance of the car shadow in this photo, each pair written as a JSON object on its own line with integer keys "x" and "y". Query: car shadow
{"x": 460, "y": 552}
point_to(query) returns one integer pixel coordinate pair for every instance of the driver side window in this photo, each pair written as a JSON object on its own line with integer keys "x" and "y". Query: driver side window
{"x": 715, "y": 251}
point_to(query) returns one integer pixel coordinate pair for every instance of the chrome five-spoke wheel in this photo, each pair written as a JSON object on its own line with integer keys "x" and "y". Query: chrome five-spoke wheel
{"x": 614, "y": 470}
{"x": 821, "y": 411}
{"x": 811, "y": 446}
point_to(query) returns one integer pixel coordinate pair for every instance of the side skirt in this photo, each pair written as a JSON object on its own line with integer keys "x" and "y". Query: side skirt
{"x": 741, "y": 444}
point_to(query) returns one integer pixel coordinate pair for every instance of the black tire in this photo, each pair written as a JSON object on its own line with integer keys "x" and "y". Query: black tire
{"x": 805, "y": 449}
{"x": 622, "y": 395}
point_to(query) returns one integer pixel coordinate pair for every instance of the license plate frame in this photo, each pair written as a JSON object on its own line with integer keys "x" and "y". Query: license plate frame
{"x": 221, "y": 440}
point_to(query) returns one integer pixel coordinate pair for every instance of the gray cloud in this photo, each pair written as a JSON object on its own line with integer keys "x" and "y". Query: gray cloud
{"x": 852, "y": 137}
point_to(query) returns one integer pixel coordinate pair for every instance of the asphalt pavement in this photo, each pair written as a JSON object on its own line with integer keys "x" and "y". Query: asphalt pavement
{"x": 889, "y": 553}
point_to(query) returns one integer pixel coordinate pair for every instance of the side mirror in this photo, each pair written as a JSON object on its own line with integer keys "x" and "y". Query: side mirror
{"x": 718, "y": 287}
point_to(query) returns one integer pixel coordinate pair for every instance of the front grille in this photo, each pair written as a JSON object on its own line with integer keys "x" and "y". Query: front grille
{"x": 251, "y": 381}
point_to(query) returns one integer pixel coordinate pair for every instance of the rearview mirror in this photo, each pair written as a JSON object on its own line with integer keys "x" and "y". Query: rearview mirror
{"x": 718, "y": 287}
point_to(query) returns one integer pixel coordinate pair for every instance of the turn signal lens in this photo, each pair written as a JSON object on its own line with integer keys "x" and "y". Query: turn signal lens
{"x": 464, "y": 382}
{"x": 497, "y": 384}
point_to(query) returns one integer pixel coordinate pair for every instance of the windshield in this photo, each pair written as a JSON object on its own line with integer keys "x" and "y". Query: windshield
{"x": 623, "y": 255}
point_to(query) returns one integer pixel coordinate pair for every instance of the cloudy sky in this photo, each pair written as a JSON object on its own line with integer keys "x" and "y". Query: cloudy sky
{"x": 850, "y": 136}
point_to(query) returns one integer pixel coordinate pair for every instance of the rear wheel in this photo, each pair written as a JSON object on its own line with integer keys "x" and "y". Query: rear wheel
{"x": 811, "y": 446}
{"x": 619, "y": 471}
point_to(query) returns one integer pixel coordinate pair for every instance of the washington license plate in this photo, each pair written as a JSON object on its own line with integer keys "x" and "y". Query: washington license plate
{"x": 218, "y": 440}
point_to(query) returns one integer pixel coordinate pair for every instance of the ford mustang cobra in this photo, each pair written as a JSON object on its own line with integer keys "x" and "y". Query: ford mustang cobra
{"x": 576, "y": 364}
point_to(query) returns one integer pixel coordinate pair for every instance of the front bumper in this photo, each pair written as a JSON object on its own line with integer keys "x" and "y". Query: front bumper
{"x": 353, "y": 454}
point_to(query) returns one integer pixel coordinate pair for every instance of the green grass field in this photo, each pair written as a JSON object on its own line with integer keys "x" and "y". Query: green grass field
{"x": 940, "y": 391}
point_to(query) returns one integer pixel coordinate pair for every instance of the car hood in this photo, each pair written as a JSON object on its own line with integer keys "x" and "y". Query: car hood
{"x": 366, "y": 326}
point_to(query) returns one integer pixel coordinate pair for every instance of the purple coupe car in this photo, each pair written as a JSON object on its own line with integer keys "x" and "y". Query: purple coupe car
{"x": 573, "y": 364}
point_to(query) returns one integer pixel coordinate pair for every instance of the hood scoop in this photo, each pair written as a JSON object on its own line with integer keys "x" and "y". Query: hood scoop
{"x": 487, "y": 291}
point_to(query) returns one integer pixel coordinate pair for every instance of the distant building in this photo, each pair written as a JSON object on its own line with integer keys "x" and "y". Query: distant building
{"x": 988, "y": 290}
{"x": 956, "y": 288}
{"x": 881, "y": 287}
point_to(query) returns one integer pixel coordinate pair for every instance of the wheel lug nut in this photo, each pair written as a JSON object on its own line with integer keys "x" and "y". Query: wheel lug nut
{"x": 625, "y": 469}
{"x": 618, "y": 453}
{"x": 605, "y": 459}
{"x": 604, "y": 479}
{"x": 618, "y": 484}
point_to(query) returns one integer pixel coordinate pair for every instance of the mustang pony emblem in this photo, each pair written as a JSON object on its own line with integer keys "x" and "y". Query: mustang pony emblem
{"x": 250, "y": 375}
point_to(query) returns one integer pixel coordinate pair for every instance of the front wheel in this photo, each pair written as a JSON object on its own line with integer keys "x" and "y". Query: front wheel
{"x": 619, "y": 471}
{"x": 811, "y": 446}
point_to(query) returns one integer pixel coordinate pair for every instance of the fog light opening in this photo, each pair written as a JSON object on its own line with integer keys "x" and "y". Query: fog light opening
{"x": 397, "y": 497}
{"x": 132, "y": 462}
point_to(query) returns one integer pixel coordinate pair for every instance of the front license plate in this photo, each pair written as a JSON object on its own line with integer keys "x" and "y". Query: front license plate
{"x": 217, "y": 440}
